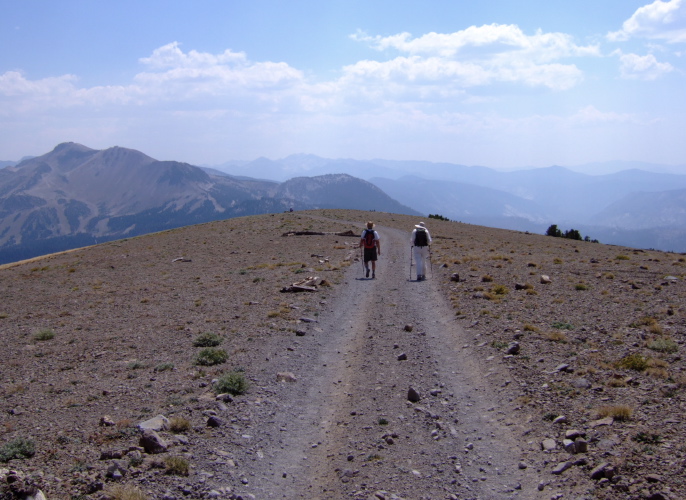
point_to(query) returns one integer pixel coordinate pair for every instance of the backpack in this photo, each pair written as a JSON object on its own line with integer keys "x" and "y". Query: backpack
{"x": 420, "y": 239}
{"x": 369, "y": 238}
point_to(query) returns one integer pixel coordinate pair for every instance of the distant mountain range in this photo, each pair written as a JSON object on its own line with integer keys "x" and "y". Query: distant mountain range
{"x": 76, "y": 196}
{"x": 632, "y": 207}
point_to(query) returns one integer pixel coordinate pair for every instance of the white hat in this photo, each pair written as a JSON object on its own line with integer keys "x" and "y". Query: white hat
{"x": 420, "y": 225}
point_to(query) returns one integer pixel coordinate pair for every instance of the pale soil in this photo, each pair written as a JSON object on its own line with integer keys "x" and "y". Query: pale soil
{"x": 345, "y": 429}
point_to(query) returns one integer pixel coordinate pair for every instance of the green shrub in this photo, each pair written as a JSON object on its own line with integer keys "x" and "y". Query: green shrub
{"x": 211, "y": 356}
{"x": 232, "y": 383}
{"x": 163, "y": 367}
{"x": 207, "y": 339}
{"x": 44, "y": 334}
{"x": 124, "y": 492}
{"x": 18, "y": 448}
{"x": 633, "y": 361}
{"x": 383, "y": 421}
{"x": 177, "y": 466}
{"x": 179, "y": 424}
{"x": 663, "y": 345}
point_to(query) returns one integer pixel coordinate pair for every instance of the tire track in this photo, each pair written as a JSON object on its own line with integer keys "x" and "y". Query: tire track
{"x": 356, "y": 432}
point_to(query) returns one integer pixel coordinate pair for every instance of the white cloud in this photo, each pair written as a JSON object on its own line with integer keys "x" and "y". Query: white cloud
{"x": 476, "y": 56}
{"x": 659, "y": 20}
{"x": 590, "y": 114}
{"x": 635, "y": 67}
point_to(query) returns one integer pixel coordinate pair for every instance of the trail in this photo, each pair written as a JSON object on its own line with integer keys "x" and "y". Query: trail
{"x": 347, "y": 430}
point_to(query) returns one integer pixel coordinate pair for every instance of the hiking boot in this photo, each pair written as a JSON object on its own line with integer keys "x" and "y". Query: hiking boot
{"x": 373, "y": 275}
{"x": 367, "y": 272}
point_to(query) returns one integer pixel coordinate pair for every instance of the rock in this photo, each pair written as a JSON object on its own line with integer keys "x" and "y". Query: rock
{"x": 602, "y": 421}
{"x": 300, "y": 333}
{"x": 455, "y": 277}
{"x": 522, "y": 465}
{"x": 548, "y": 444}
{"x": 564, "y": 367}
{"x": 408, "y": 328}
{"x": 653, "y": 478}
{"x": 226, "y": 398}
{"x": 581, "y": 445}
{"x": 435, "y": 392}
{"x": 573, "y": 434}
{"x": 581, "y": 383}
{"x": 560, "y": 420}
{"x": 214, "y": 421}
{"x": 545, "y": 280}
{"x": 110, "y": 454}
{"x": 402, "y": 357}
{"x": 569, "y": 446}
{"x": 286, "y": 377}
{"x": 513, "y": 348}
{"x": 152, "y": 442}
{"x": 106, "y": 421}
{"x": 117, "y": 469}
{"x": 412, "y": 395}
{"x": 520, "y": 286}
{"x": 599, "y": 472}
{"x": 561, "y": 467}
{"x": 158, "y": 423}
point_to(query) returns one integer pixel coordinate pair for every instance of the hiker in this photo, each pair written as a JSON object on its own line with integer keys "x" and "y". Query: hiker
{"x": 421, "y": 241}
{"x": 372, "y": 247}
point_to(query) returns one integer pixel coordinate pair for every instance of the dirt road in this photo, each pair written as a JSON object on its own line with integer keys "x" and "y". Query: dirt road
{"x": 345, "y": 428}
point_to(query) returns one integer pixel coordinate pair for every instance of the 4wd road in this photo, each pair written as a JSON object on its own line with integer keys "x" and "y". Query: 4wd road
{"x": 346, "y": 429}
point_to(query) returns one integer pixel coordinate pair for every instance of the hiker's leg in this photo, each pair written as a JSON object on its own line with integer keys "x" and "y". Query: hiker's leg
{"x": 419, "y": 261}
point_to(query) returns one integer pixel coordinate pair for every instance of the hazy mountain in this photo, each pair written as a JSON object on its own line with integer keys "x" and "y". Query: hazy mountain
{"x": 76, "y": 196}
{"x": 646, "y": 211}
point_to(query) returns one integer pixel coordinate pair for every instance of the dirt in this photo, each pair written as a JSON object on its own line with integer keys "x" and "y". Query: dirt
{"x": 327, "y": 414}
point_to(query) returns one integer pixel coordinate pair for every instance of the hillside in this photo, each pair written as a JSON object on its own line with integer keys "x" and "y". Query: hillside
{"x": 506, "y": 367}
{"x": 75, "y": 196}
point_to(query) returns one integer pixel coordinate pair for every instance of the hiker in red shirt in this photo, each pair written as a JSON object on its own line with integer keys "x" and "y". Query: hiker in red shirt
{"x": 372, "y": 245}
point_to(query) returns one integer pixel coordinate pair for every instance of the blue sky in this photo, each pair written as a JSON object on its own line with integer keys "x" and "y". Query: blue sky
{"x": 499, "y": 83}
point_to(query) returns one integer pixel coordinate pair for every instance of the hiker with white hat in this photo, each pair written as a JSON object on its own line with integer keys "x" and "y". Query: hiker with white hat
{"x": 421, "y": 241}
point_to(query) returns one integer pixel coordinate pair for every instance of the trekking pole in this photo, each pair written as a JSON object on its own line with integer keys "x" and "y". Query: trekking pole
{"x": 411, "y": 263}
{"x": 431, "y": 262}
{"x": 362, "y": 260}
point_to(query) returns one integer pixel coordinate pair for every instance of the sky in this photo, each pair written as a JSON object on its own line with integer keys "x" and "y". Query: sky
{"x": 501, "y": 84}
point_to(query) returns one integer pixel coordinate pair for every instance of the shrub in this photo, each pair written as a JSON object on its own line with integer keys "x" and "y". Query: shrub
{"x": 177, "y": 466}
{"x": 633, "y": 361}
{"x": 125, "y": 492}
{"x": 211, "y": 356}
{"x": 646, "y": 438}
{"x": 17, "y": 448}
{"x": 663, "y": 345}
{"x": 618, "y": 412}
{"x": 179, "y": 424}
{"x": 207, "y": 339}
{"x": 580, "y": 286}
{"x": 500, "y": 290}
{"x": 557, "y": 337}
{"x": 561, "y": 325}
{"x": 487, "y": 278}
{"x": 529, "y": 328}
{"x": 44, "y": 334}
{"x": 163, "y": 367}
{"x": 232, "y": 382}
{"x": 383, "y": 421}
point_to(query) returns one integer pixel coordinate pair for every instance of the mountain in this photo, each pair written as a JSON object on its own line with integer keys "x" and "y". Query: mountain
{"x": 466, "y": 202}
{"x": 76, "y": 196}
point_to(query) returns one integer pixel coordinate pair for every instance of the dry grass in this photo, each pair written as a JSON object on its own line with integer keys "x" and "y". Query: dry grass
{"x": 621, "y": 413}
{"x": 125, "y": 492}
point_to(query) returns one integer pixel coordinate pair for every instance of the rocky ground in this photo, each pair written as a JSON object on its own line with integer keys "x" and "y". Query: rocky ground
{"x": 543, "y": 367}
